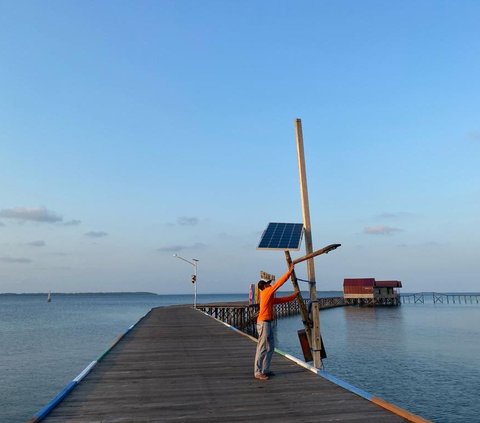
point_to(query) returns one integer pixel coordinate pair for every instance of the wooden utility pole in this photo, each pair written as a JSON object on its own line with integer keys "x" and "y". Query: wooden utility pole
{"x": 315, "y": 334}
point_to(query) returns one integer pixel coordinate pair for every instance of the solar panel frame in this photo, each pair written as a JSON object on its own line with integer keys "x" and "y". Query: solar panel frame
{"x": 281, "y": 236}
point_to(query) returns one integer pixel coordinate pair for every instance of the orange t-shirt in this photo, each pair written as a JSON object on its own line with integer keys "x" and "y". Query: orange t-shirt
{"x": 267, "y": 298}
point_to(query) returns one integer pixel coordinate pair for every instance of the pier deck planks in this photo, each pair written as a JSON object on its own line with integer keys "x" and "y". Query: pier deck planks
{"x": 179, "y": 365}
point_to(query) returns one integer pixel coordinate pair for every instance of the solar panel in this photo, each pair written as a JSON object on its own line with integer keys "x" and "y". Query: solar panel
{"x": 281, "y": 236}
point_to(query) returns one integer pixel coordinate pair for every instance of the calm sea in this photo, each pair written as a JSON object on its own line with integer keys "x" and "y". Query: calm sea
{"x": 423, "y": 357}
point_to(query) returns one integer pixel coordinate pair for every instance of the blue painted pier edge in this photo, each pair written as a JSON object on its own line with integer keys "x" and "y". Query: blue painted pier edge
{"x": 44, "y": 411}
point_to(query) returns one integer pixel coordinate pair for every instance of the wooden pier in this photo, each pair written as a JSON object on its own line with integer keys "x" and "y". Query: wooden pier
{"x": 178, "y": 364}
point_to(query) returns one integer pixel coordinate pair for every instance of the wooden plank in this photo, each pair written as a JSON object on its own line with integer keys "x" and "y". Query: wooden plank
{"x": 178, "y": 364}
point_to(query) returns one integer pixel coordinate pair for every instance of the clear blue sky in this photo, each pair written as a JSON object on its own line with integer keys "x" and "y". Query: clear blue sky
{"x": 133, "y": 130}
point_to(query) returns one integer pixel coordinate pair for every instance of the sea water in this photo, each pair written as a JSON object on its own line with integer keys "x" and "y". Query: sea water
{"x": 422, "y": 357}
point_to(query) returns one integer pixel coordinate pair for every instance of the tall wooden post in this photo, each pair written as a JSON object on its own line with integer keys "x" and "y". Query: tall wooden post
{"x": 315, "y": 334}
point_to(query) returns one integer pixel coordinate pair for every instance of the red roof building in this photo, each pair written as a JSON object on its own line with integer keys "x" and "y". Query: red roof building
{"x": 368, "y": 291}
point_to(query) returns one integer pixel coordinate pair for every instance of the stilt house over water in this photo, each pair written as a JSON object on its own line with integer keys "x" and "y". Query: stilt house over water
{"x": 369, "y": 292}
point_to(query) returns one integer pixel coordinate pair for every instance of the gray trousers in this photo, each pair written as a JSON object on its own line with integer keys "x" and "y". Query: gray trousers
{"x": 265, "y": 347}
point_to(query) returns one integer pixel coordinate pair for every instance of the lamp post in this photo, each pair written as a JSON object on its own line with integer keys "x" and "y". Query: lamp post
{"x": 194, "y": 276}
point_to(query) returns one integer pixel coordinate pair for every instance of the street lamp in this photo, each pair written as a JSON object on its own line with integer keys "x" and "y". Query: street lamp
{"x": 194, "y": 276}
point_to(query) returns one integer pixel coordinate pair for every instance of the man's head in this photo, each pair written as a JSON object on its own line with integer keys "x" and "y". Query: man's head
{"x": 262, "y": 283}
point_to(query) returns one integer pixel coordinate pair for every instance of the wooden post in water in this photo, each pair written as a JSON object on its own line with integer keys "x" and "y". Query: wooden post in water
{"x": 315, "y": 335}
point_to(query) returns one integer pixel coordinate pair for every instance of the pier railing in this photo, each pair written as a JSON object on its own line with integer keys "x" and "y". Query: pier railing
{"x": 243, "y": 316}
{"x": 440, "y": 298}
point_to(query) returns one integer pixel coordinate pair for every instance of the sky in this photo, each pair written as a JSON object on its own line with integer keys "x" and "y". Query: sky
{"x": 131, "y": 131}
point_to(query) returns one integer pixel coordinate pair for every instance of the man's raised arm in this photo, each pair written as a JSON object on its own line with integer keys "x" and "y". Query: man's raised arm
{"x": 283, "y": 278}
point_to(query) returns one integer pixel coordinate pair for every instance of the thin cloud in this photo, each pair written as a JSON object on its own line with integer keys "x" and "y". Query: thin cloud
{"x": 474, "y": 135}
{"x": 428, "y": 244}
{"x": 224, "y": 235}
{"x": 199, "y": 245}
{"x": 386, "y": 216}
{"x": 380, "y": 230}
{"x": 38, "y": 243}
{"x": 2, "y": 224}
{"x": 35, "y": 214}
{"x": 96, "y": 234}
{"x": 5, "y": 259}
{"x": 397, "y": 215}
{"x": 187, "y": 221}
{"x": 72, "y": 223}
{"x": 172, "y": 248}
{"x": 177, "y": 248}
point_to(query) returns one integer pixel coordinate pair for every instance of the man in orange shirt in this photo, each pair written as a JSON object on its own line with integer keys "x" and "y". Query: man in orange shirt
{"x": 266, "y": 341}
